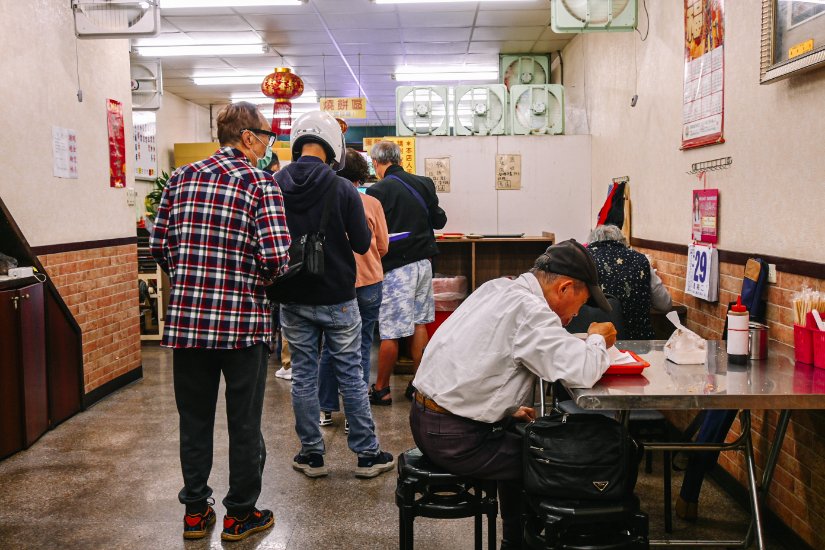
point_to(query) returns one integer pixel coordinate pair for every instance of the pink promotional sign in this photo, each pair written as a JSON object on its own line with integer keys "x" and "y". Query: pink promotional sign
{"x": 705, "y": 215}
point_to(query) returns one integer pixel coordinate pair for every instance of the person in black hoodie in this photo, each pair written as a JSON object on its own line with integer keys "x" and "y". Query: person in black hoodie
{"x": 410, "y": 206}
{"x": 325, "y": 308}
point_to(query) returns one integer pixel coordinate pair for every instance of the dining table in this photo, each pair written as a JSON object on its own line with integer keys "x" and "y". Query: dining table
{"x": 776, "y": 383}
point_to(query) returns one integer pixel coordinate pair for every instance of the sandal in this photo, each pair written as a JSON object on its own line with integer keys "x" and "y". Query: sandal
{"x": 377, "y": 396}
{"x": 410, "y": 391}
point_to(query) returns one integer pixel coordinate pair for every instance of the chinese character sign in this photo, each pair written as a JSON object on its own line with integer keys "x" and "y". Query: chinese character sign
{"x": 345, "y": 107}
{"x": 117, "y": 144}
{"x": 438, "y": 170}
{"x": 407, "y": 145}
{"x": 705, "y": 215}
{"x": 704, "y": 83}
{"x": 508, "y": 172}
{"x": 146, "y": 153}
{"x": 64, "y": 151}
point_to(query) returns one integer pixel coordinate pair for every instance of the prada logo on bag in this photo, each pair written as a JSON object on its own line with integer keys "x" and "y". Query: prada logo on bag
{"x": 601, "y": 485}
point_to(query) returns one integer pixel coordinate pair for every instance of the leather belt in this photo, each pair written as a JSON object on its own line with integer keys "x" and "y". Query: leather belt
{"x": 429, "y": 404}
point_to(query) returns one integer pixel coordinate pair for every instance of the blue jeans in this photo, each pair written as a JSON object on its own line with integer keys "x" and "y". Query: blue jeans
{"x": 340, "y": 327}
{"x": 369, "y": 304}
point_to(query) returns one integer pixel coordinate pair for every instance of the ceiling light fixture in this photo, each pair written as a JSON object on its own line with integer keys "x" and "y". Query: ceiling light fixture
{"x": 218, "y": 50}
{"x": 228, "y": 80}
{"x": 443, "y": 74}
{"x": 437, "y": 1}
{"x": 260, "y": 100}
{"x": 177, "y": 4}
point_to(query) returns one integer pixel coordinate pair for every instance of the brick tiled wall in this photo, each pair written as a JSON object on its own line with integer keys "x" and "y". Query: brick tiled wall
{"x": 99, "y": 286}
{"x": 797, "y": 495}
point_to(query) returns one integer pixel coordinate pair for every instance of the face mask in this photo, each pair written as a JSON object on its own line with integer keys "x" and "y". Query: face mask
{"x": 264, "y": 161}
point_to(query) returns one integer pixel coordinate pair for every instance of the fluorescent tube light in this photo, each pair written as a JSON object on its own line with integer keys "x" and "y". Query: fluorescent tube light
{"x": 437, "y": 1}
{"x": 175, "y": 4}
{"x": 258, "y": 100}
{"x": 441, "y": 74}
{"x": 201, "y": 50}
{"x": 226, "y": 80}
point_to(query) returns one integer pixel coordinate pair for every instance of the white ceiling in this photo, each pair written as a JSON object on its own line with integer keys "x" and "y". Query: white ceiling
{"x": 316, "y": 38}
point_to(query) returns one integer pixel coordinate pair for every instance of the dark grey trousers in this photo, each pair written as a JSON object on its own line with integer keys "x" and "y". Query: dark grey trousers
{"x": 474, "y": 449}
{"x": 197, "y": 376}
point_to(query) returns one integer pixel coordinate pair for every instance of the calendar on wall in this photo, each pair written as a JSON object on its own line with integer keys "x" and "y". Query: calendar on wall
{"x": 702, "y": 277}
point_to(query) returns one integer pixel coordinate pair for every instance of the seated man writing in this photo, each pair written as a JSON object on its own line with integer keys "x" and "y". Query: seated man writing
{"x": 478, "y": 371}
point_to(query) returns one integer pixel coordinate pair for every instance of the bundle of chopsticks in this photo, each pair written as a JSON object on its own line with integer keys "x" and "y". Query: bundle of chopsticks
{"x": 806, "y": 301}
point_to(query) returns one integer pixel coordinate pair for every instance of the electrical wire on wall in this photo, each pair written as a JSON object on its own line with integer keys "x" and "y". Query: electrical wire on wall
{"x": 647, "y": 18}
{"x": 77, "y": 70}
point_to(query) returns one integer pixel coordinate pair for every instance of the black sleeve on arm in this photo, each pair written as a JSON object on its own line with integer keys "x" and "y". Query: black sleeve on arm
{"x": 438, "y": 218}
{"x": 358, "y": 231}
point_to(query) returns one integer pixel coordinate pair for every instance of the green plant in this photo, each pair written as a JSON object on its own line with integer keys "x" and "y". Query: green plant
{"x": 152, "y": 199}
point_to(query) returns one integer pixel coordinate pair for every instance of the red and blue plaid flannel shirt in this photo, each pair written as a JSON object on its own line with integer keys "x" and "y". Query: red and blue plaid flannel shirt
{"x": 220, "y": 233}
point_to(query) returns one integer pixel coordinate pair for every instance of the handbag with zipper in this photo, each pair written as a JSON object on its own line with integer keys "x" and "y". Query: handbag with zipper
{"x": 580, "y": 457}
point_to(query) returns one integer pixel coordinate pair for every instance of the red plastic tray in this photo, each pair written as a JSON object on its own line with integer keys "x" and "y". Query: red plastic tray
{"x": 632, "y": 368}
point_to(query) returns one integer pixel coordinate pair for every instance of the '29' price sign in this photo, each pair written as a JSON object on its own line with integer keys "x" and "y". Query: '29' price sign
{"x": 702, "y": 277}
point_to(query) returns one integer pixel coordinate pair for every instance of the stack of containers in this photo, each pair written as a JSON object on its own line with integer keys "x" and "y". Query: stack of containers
{"x": 448, "y": 293}
{"x": 808, "y": 334}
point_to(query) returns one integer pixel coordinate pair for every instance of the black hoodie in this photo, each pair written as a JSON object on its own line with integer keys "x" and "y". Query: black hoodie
{"x": 303, "y": 184}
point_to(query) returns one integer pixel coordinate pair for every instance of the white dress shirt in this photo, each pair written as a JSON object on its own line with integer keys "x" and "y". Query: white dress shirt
{"x": 482, "y": 362}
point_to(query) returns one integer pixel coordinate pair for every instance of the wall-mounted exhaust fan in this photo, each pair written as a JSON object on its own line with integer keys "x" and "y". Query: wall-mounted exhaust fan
{"x": 524, "y": 69}
{"x": 537, "y": 109}
{"x": 480, "y": 110}
{"x": 421, "y": 111}
{"x": 147, "y": 84}
{"x": 116, "y": 18}
{"x": 593, "y": 15}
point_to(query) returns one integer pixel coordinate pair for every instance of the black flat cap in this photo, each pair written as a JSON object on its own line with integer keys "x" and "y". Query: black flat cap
{"x": 570, "y": 258}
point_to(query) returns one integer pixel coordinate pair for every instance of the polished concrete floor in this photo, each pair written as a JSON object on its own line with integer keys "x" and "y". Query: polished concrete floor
{"x": 109, "y": 477}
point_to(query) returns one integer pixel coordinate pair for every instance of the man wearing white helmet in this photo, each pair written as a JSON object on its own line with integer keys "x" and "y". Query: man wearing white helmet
{"x": 325, "y": 307}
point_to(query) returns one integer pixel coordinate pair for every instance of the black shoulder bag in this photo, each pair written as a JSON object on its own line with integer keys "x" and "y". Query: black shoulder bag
{"x": 580, "y": 457}
{"x": 306, "y": 255}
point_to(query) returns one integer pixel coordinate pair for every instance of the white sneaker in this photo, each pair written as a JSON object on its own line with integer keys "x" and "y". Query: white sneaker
{"x": 326, "y": 419}
{"x": 286, "y": 374}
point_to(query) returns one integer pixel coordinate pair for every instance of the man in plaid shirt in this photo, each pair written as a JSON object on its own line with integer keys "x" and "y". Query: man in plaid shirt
{"x": 221, "y": 235}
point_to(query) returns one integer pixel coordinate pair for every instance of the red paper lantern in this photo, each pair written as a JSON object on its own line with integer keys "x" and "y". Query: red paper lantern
{"x": 282, "y": 86}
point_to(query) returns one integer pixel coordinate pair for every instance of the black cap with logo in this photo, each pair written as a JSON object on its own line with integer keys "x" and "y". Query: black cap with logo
{"x": 570, "y": 258}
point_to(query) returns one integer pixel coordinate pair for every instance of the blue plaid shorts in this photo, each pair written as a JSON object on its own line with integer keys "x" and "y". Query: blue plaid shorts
{"x": 408, "y": 300}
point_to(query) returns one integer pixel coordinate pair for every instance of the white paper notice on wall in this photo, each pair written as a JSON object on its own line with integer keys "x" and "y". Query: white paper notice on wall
{"x": 438, "y": 170}
{"x": 64, "y": 152}
{"x": 508, "y": 172}
{"x": 702, "y": 277}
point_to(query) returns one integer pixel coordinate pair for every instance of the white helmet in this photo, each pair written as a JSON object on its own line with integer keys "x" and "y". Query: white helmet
{"x": 319, "y": 127}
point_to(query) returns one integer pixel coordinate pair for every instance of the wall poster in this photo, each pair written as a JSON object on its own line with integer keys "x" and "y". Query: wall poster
{"x": 508, "y": 172}
{"x": 705, "y": 215}
{"x": 438, "y": 170}
{"x": 117, "y": 143}
{"x": 703, "y": 108}
{"x": 64, "y": 153}
{"x": 146, "y": 153}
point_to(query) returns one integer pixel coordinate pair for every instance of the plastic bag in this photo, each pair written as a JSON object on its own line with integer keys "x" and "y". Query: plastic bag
{"x": 6, "y": 263}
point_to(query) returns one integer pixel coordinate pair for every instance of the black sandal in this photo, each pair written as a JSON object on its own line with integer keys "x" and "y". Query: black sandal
{"x": 409, "y": 393}
{"x": 377, "y": 396}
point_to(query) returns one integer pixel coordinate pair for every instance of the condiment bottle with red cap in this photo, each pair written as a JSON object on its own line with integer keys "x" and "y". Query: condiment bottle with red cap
{"x": 738, "y": 333}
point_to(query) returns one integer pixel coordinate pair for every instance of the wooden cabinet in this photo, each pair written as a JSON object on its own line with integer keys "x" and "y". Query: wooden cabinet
{"x": 24, "y": 396}
{"x": 481, "y": 260}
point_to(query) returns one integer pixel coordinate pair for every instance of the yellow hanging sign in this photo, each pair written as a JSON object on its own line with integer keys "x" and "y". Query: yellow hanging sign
{"x": 345, "y": 107}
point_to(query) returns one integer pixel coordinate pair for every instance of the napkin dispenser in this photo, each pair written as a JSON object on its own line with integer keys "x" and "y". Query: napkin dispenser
{"x": 685, "y": 347}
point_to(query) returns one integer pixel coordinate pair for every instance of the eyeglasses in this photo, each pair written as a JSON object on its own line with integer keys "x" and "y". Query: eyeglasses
{"x": 273, "y": 137}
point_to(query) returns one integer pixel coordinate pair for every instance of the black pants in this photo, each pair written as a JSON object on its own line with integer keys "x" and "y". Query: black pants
{"x": 197, "y": 375}
{"x": 474, "y": 449}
